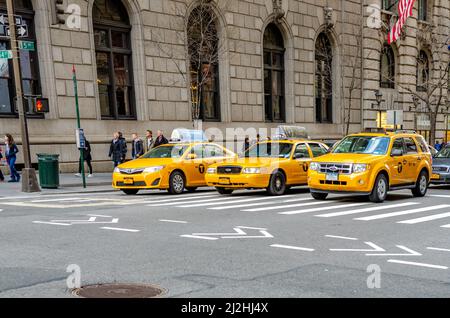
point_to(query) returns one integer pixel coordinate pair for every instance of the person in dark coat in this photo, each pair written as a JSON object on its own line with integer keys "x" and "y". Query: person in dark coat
{"x": 137, "y": 148}
{"x": 117, "y": 150}
{"x": 160, "y": 140}
{"x": 124, "y": 147}
{"x": 87, "y": 157}
{"x": 2, "y": 178}
{"x": 11, "y": 157}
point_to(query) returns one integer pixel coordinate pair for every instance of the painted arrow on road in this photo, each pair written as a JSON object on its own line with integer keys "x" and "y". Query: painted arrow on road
{"x": 91, "y": 220}
{"x": 238, "y": 233}
{"x": 409, "y": 251}
{"x": 375, "y": 248}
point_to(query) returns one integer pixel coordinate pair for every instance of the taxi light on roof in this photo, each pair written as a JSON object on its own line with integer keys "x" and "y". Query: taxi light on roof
{"x": 188, "y": 135}
{"x": 291, "y": 132}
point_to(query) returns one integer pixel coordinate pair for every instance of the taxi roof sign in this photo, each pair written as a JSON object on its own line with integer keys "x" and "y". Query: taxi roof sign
{"x": 291, "y": 132}
{"x": 188, "y": 135}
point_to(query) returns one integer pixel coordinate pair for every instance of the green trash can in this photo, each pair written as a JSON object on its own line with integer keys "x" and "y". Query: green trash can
{"x": 48, "y": 166}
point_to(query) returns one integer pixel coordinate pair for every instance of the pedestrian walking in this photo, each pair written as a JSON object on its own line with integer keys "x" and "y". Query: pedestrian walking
{"x": 246, "y": 144}
{"x": 116, "y": 150}
{"x": 11, "y": 157}
{"x": 160, "y": 139}
{"x": 124, "y": 147}
{"x": 2, "y": 178}
{"x": 137, "y": 148}
{"x": 149, "y": 141}
{"x": 437, "y": 145}
{"x": 87, "y": 157}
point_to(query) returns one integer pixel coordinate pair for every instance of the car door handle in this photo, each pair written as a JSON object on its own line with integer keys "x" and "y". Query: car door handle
{"x": 419, "y": 158}
{"x": 405, "y": 162}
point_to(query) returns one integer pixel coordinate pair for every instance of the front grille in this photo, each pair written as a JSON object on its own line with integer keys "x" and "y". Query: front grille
{"x": 229, "y": 170}
{"x": 329, "y": 182}
{"x": 135, "y": 184}
{"x": 131, "y": 171}
{"x": 440, "y": 169}
{"x": 341, "y": 168}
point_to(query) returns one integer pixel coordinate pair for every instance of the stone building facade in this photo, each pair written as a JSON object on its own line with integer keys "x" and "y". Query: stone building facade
{"x": 278, "y": 61}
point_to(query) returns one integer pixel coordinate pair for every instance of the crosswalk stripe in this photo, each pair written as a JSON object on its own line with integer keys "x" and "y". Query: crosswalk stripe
{"x": 255, "y": 204}
{"x": 392, "y": 214}
{"x": 374, "y": 208}
{"x": 331, "y": 207}
{"x": 426, "y": 218}
{"x": 181, "y": 198}
{"x": 446, "y": 225}
{"x": 285, "y": 206}
{"x": 226, "y": 201}
{"x": 169, "y": 202}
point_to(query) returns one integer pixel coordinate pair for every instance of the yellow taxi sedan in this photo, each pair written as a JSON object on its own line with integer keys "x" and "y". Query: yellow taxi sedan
{"x": 173, "y": 167}
{"x": 273, "y": 165}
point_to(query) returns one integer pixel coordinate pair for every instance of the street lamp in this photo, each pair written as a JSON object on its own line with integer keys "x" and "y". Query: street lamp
{"x": 377, "y": 105}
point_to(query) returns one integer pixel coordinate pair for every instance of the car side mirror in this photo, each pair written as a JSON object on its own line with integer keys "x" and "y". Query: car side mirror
{"x": 191, "y": 156}
{"x": 396, "y": 153}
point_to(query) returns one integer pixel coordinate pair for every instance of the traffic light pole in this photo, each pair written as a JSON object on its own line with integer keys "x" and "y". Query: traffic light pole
{"x": 75, "y": 86}
{"x": 29, "y": 180}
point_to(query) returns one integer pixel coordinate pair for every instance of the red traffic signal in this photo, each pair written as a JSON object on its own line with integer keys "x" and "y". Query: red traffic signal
{"x": 41, "y": 105}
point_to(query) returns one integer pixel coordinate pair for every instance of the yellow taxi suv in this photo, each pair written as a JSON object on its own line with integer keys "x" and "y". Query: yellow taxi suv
{"x": 373, "y": 164}
{"x": 174, "y": 167}
{"x": 272, "y": 165}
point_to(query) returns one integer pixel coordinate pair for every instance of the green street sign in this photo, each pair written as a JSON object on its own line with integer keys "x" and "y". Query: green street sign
{"x": 6, "y": 54}
{"x": 26, "y": 45}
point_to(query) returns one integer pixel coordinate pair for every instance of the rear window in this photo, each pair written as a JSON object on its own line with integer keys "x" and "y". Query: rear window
{"x": 422, "y": 144}
{"x": 317, "y": 150}
{"x": 410, "y": 145}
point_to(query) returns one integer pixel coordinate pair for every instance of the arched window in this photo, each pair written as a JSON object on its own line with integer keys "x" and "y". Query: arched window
{"x": 204, "y": 55}
{"x": 324, "y": 79}
{"x": 387, "y": 67}
{"x": 423, "y": 71}
{"x": 113, "y": 55}
{"x": 29, "y": 62}
{"x": 274, "y": 100}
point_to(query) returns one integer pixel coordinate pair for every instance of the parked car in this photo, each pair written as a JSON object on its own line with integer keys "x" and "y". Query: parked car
{"x": 441, "y": 167}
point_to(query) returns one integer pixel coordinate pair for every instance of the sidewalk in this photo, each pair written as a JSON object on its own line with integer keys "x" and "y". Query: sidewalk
{"x": 69, "y": 183}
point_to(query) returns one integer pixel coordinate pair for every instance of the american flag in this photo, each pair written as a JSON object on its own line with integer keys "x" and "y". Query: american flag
{"x": 405, "y": 9}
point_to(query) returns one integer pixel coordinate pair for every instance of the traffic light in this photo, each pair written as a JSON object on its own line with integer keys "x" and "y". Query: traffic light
{"x": 58, "y": 12}
{"x": 41, "y": 105}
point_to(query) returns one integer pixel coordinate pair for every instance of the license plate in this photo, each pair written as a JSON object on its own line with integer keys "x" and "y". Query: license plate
{"x": 332, "y": 177}
{"x": 128, "y": 181}
{"x": 225, "y": 181}
{"x": 435, "y": 176}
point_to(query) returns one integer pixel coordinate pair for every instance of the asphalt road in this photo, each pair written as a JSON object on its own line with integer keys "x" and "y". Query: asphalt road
{"x": 243, "y": 245}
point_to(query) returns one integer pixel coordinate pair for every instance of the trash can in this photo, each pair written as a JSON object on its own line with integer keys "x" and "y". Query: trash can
{"x": 48, "y": 166}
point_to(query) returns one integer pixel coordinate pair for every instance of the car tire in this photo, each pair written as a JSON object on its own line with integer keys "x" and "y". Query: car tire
{"x": 277, "y": 184}
{"x": 176, "y": 182}
{"x": 191, "y": 189}
{"x": 130, "y": 191}
{"x": 319, "y": 195}
{"x": 224, "y": 191}
{"x": 421, "y": 186}
{"x": 380, "y": 189}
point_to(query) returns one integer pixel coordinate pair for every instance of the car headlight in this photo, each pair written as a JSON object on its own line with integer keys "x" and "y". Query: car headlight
{"x": 211, "y": 171}
{"x": 116, "y": 170}
{"x": 153, "y": 169}
{"x": 359, "y": 167}
{"x": 314, "y": 166}
{"x": 251, "y": 170}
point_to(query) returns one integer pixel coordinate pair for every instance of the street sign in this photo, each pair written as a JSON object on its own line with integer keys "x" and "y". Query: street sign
{"x": 4, "y": 20}
{"x": 81, "y": 140}
{"x": 26, "y": 45}
{"x": 21, "y": 31}
{"x": 41, "y": 105}
{"x": 6, "y": 54}
{"x": 395, "y": 117}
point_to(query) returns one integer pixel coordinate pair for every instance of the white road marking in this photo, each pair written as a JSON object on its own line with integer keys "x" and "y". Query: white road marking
{"x": 200, "y": 237}
{"x": 375, "y": 248}
{"x": 182, "y": 198}
{"x": 426, "y": 218}
{"x": 298, "y": 248}
{"x": 56, "y": 200}
{"x": 100, "y": 216}
{"x": 186, "y": 202}
{"x": 417, "y": 264}
{"x": 446, "y": 225}
{"x": 331, "y": 207}
{"x": 409, "y": 251}
{"x": 438, "y": 249}
{"x": 284, "y": 206}
{"x": 392, "y": 214}
{"x": 255, "y": 204}
{"x": 238, "y": 232}
{"x": 226, "y": 201}
{"x": 342, "y": 237}
{"x": 91, "y": 219}
{"x": 374, "y": 208}
{"x": 119, "y": 229}
{"x": 439, "y": 195}
{"x": 51, "y": 223}
{"x": 173, "y": 221}
{"x": 252, "y": 228}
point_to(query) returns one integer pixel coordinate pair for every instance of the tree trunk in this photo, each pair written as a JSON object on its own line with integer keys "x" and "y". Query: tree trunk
{"x": 433, "y": 120}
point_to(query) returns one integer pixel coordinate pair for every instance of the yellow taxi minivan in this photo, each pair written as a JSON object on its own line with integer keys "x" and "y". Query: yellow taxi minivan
{"x": 274, "y": 165}
{"x": 177, "y": 166}
{"x": 373, "y": 164}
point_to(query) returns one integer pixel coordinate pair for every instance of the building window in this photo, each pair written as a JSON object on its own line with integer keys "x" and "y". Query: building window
{"x": 324, "y": 79}
{"x": 29, "y": 63}
{"x": 113, "y": 55}
{"x": 390, "y": 5}
{"x": 423, "y": 72}
{"x": 422, "y": 10}
{"x": 387, "y": 67}
{"x": 203, "y": 50}
{"x": 274, "y": 100}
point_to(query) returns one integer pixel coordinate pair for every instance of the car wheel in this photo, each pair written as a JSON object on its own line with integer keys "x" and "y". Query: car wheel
{"x": 319, "y": 195}
{"x": 130, "y": 191}
{"x": 176, "y": 183}
{"x": 380, "y": 189}
{"x": 277, "y": 184}
{"x": 191, "y": 189}
{"x": 224, "y": 191}
{"x": 421, "y": 187}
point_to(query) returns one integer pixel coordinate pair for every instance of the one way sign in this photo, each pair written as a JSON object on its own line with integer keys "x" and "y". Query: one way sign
{"x": 21, "y": 31}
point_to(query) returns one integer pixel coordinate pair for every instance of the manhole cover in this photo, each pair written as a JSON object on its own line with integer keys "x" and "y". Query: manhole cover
{"x": 118, "y": 291}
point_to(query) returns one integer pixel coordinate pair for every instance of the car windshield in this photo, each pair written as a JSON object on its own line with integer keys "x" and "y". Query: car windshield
{"x": 444, "y": 153}
{"x": 363, "y": 144}
{"x": 270, "y": 150}
{"x": 173, "y": 151}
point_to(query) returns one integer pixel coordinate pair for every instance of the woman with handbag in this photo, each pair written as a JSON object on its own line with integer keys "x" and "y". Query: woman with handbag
{"x": 11, "y": 157}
